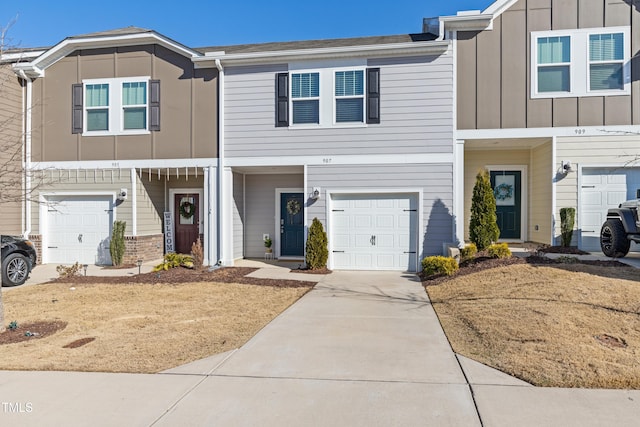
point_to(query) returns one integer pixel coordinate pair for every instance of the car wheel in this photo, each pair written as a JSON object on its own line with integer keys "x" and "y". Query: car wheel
{"x": 613, "y": 239}
{"x": 15, "y": 270}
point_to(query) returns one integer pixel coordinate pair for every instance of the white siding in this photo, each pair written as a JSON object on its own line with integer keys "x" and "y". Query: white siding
{"x": 435, "y": 181}
{"x": 416, "y": 96}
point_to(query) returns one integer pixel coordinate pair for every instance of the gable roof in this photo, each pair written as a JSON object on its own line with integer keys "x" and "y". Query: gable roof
{"x": 129, "y": 36}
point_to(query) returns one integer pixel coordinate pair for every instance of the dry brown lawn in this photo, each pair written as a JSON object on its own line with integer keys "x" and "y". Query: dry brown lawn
{"x": 141, "y": 328}
{"x": 561, "y": 325}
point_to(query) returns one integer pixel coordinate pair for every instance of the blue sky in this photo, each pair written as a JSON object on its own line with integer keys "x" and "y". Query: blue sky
{"x": 206, "y": 23}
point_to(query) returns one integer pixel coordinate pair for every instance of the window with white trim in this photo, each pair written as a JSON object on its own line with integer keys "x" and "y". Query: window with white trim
{"x": 305, "y": 98}
{"x": 349, "y": 96}
{"x": 116, "y": 106}
{"x": 580, "y": 63}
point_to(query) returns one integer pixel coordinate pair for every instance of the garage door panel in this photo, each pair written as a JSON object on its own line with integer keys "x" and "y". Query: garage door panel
{"x": 603, "y": 189}
{"x": 379, "y": 227}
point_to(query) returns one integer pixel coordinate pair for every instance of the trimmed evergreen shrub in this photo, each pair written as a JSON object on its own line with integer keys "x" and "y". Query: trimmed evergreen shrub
{"x": 439, "y": 265}
{"x": 317, "y": 249}
{"x": 483, "y": 227}
{"x": 567, "y": 221}
{"x": 499, "y": 250}
{"x": 468, "y": 252}
{"x": 116, "y": 247}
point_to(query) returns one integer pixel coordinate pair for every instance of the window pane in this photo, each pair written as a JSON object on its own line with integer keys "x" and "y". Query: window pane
{"x": 306, "y": 112}
{"x": 553, "y": 50}
{"x": 349, "y": 83}
{"x": 349, "y": 110}
{"x": 305, "y": 85}
{"x": 97, "y": 95}
{"x": 606, "y": 47}
{"x": 135, "y": 118}
{"x": 605, "y": 76}
{"x": 134, "y": 93}
{"x": 553, "y": 79}
{"x": 97, "y": 119}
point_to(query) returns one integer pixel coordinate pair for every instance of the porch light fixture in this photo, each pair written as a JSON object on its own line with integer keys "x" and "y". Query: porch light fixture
{"x": 315, "y": 194}
{"x": 85, "y": 268}
{"x": 139, "y": 262}
{"x": 566, "y": 166}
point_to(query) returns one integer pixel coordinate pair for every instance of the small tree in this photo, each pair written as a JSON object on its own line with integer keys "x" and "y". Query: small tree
{"x": 567, "y": 221}
{"x": 317, "y": 246}
{"x": 483, "y": 227}
{"x": 116, "y": 248}
{"x": 197, "y": 253}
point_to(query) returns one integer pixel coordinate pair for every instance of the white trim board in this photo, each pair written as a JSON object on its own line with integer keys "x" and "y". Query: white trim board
{"x": 573, "y": 131}
{"x": 418, "y": 158}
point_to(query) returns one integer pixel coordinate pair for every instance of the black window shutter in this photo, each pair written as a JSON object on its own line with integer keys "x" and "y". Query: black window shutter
{"x": 77, "y": 112}
{"x": 282, "y": 99}
{"x": 373, "y": 95}
{"x": 154, "y": 105}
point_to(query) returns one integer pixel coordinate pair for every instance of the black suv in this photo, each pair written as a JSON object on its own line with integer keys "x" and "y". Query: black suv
{"x": 18, "y": 258}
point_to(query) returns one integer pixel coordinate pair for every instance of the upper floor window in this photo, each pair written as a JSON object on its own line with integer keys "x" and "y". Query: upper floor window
{"x": 328, "y": 97}
{"x": 118, "y": 106}
{"x": 583, "y": 62}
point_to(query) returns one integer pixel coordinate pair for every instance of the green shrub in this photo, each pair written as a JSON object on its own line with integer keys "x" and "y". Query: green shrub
{"x": 483, "y": 226}
{"x": 439, "y": 265}
{"x": 317, "y": 250}
{"x": 173, "y": 260}
{"x": 116, "y": 248}
{"x": 499, "y": 250}
{"x": 567, "y": 221}
{"x": 468, "y": 252}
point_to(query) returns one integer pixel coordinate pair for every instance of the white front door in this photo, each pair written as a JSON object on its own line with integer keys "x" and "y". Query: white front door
{"x": 78, "y": 229}
{"x": 374, "y": 231}
{"x": 602, "y": 189}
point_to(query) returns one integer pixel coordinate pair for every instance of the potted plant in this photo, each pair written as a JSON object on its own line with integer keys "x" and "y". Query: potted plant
{"x": 267, "y": 244}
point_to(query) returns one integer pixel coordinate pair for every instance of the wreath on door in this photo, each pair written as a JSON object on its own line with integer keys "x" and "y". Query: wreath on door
{"x": 503, "y": 191}
{"x": 293, "y": 207}
{"x": 187, "y": 209}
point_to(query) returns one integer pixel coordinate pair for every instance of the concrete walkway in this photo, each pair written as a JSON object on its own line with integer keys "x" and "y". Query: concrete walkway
{"x": 361, "y": 349}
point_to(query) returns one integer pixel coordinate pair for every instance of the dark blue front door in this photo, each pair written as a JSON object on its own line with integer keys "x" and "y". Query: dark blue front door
{"x": 291, "y": 224}
{"x": 507, "y": 189}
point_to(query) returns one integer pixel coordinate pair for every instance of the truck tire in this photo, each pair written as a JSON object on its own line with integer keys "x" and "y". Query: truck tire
{"x": 613, "y": 239}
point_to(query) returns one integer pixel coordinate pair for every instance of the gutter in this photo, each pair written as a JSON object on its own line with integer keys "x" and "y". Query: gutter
{"x": 222, "y": 220}
{"x": 26, "y": 163}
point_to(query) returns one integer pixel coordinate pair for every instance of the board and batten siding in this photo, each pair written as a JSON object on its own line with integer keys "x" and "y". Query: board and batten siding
{"x": 434, "y": 180}
{"x": 416, "y": 98}
{"x": 494, "y": 68}
{"x": 603, "y": 151}
{"x": 260, "y": 200}
{"x": 238, "y": 215}
{"x": 10, "y": 145}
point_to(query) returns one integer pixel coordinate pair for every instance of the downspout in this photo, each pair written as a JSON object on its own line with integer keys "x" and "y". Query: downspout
{"x": 221, "y": 220}
{"x": 27, "y": 154}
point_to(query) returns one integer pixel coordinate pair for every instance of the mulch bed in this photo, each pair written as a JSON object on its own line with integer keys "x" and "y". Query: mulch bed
{"x": 484, "y": 263}
{"x": 185, "y": 275}
{"x": 569, "y": 250}
{"x": 31, "y": 331}
{"x": 323, "y": 270}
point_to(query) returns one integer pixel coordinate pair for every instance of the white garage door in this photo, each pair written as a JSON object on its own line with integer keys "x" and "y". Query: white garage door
{"x": 374, "y": 232}
{"x": 604, "y": 188}
{"x": 78, "y": 229}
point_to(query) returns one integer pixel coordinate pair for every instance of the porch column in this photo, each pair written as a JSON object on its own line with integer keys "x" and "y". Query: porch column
{"x": 458, "y": 192}
{"x": 226, "y": 212}
{"x": 210, "y": 214}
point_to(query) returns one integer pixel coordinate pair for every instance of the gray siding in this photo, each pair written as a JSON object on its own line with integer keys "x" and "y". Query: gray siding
{"x": 434, "y": 180}
{"x": 494, "y": 68}
{"x": 238, "y": 215}
{"x": 261, "y": 209}
{"x": 416, "y": 114}
{"x": 10, "y": 152}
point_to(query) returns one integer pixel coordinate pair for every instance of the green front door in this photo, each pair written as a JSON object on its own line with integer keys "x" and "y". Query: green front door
{"x": 507, "y": 187}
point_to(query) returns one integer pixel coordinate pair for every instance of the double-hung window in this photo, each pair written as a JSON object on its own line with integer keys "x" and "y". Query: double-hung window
{"x": 305, "y": 98}
{"x": 581, "y": 62}
{"x": 349, "y": 96}
{"x": 118, "y": 106}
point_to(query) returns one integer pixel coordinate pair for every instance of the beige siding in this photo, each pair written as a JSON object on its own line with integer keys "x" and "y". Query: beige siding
{"x": 589, "y": 151}
{"x": 540, "y": 195}
{"x": 188, "y": 107}
{"x": 10, "y": 152}
{"x": 150, "y": 199}
{"x": 475, "y": 161}
{"x": 500, "y": 60}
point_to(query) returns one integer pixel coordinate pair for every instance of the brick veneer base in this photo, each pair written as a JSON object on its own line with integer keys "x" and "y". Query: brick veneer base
{"x": 146, "y": 248}
{"x": 37, "y": 242}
